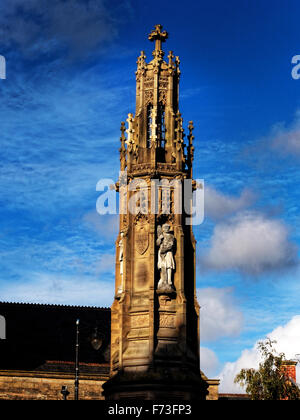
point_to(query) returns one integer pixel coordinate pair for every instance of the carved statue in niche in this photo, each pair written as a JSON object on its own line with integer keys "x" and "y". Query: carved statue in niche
{"x": 166, "y": 264}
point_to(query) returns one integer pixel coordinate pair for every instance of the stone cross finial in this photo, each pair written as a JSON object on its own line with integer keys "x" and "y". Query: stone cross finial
{"x": 158, "y": 36}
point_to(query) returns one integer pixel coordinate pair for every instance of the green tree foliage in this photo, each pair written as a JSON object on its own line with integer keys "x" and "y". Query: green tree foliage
{"x": 269, "y": 381}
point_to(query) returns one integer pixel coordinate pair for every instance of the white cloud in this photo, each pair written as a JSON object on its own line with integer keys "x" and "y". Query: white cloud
{"x": 218, "y": 205}
{"x": 286, "y": 140}
{"x": 219, "y": 316}
{"x": 282, "y": 141}
{"x": 43, "y": 23}
{"x": 105, "y": 264}
{"x": 105, "y": 225}
{"x": 60, "y": 289}
{"x": 252, "y": 244}
{"x": 287, "y": 337}
{"x": 208, "y": 361}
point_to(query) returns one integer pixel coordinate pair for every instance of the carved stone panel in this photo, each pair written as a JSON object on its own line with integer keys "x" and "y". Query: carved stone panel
{"x": 138, "y": 321}
{"x": 140, "y": 299}
{"x": 167, "y": 320}
{"x": 141, "y": 233}
{"x": 137, "y": 349}
{"x": 142, "y": 241}
{"x": 148, "y": 97}
{"x": 148, "y": 83}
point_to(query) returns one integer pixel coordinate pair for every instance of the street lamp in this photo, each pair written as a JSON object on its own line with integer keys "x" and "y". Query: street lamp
{"x": 77, "y": 361}
{"x": 96, "y": 341}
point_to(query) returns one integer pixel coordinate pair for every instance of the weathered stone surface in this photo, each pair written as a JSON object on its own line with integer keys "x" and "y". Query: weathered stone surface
{"x": 15, "y": 386}
{"x": 37, "y": 356}
{"x": 155, "y": 323}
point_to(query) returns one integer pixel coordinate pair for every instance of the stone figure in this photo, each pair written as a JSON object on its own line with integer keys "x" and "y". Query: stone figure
{"x": 165, "y": 241}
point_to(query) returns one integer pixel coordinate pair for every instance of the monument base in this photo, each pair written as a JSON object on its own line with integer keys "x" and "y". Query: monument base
{"x": 153, "y": 385}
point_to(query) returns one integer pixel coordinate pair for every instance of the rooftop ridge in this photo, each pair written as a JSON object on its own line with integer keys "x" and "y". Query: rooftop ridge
{"x": 53, "y": 305}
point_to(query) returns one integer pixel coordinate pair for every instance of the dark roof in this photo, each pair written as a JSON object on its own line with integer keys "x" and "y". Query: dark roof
{"x": 51, "y": 305}
{"x": 42, "y": 338}
{"x": 243, "y": 397}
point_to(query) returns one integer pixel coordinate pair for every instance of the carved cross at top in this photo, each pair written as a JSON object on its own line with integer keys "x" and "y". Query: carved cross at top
{"x": 158, "y": 36}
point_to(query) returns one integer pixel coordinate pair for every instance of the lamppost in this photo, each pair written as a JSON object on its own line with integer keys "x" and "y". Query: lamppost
{"x": 96, "y": 342}
{"x": 77, "y": 360}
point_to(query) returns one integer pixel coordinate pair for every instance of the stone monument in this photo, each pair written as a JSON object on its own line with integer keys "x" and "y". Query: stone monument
{"x": 155, "y": 313}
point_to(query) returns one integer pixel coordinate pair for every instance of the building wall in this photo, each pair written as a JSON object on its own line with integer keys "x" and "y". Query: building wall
{"x": 46, "y": 386}
{"x": 289, "y": 369}
{"x": 34, "y": 386}
{"x": 213, "y": 386}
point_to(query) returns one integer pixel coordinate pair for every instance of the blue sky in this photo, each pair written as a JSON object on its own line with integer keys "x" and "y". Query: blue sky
{"x": 70, "y": 82}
